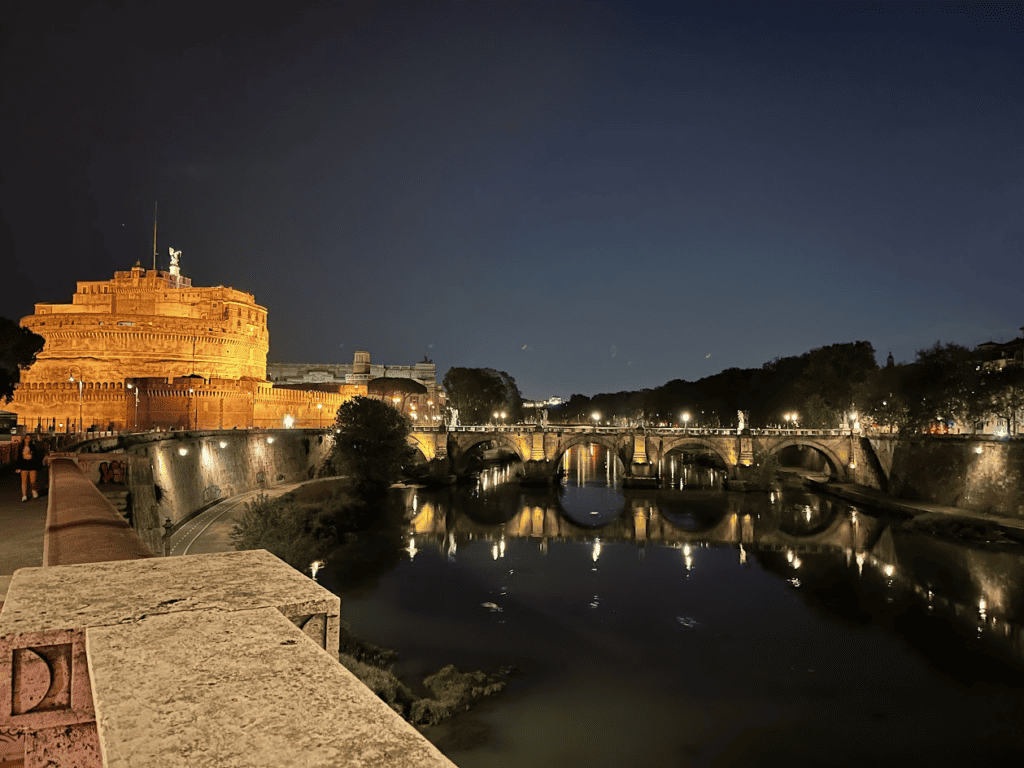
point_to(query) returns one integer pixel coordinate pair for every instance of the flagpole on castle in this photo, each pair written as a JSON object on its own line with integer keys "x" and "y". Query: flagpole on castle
{"x": 154, "y": 236}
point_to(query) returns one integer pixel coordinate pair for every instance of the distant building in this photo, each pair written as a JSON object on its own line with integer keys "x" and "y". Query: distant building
{"x": 148, "y": 349}
{"x": 413, "y": 389}
{"x": 551, "y": 402}
{"x": 997, "y": 354}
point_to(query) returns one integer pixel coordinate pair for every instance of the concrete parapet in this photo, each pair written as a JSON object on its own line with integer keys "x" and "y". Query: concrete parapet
{"x": 237, "y": 689}
{"x": 82, "y": 526}
{"x": 49, "y": 612}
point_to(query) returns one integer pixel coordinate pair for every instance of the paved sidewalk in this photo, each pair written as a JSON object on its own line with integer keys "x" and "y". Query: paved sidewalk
{"x": 21, "y": 526}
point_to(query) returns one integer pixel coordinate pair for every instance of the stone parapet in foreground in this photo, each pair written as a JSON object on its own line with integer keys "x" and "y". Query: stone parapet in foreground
{"x": 224, "y": 659}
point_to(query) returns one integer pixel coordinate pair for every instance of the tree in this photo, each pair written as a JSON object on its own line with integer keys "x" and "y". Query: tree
{"x": 371, "y": 445}
{"x": 18, "y": 349}
{"x": 478, "y": 393}
{"x": 1002, "y": 392}
{"x": 944, "y": 384}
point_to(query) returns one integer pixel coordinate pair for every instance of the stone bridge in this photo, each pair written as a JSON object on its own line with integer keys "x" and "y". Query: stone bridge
{"x": 641, "y": 451}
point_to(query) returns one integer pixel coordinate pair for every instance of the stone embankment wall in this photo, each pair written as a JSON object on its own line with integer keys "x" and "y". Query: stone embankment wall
{"x": 972, "y": 471}
{"x": 192, "y": 470}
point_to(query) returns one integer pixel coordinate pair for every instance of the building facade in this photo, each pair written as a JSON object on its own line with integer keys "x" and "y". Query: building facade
{"x": 423, "y": 401}
{"x": 147, "y": 349}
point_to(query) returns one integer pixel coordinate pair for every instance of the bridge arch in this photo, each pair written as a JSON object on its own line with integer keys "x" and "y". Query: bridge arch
{"x": 836, "y": 464}
{"x": 423, "y": 444}
{"x": 613, "y": 443}
{"x": 467, "y": 443}
{"x": 676, "y": 443}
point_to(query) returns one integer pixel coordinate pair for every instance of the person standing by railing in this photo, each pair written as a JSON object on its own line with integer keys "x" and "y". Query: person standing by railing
{"x": 30, "y": 462}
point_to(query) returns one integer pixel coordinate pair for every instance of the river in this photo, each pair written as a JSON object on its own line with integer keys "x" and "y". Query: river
{"x": 689, "y": 625}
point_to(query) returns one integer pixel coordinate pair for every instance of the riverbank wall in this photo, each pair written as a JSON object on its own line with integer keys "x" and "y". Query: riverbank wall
{"x": 975, "y": 472}
{"x": 979, "y": 473}
{"x": 192, "y": 470}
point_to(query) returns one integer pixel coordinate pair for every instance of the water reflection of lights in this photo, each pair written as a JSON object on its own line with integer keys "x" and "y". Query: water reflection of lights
{"x": 494, "y": 551}
{"x": 743, "y": 555}
{"x": 795, "y": 582}
{"x": 860, "y": 563}
{"x": 452, "y": 546}
{"x": 982, "y": 608}
{"x": 688, "y": 557}
{"x": 411, "y": 549}
{"x": 889, "y": 570}
{"x": 596, "y": 550}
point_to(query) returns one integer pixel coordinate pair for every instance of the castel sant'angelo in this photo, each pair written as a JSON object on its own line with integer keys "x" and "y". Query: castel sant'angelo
{"x": 148, "y": 349}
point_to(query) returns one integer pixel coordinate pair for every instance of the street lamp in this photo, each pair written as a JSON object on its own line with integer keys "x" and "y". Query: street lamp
{"x": 686, "y": 421}
{"x": 596, "y": 417}
{"x": 319, "y": 413}
{"x": 191, "y": 398}
{"x": 135, "y": 390}
{"x": 71, "y": 377}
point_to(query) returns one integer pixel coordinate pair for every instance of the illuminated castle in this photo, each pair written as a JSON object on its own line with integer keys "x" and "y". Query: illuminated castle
{"x": 148, "y": 349}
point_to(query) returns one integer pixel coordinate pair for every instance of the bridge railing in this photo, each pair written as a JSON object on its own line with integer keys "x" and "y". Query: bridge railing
{"x": 584, "y": 428}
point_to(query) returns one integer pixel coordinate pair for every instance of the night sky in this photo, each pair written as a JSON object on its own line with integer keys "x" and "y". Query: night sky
{"x": 592, "y": 198}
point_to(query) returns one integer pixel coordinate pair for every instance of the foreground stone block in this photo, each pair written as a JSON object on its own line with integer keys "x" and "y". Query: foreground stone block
{"x": 70, "y": 598}
{"x": 44, "y": 672}
{"x": 242, "y": 688}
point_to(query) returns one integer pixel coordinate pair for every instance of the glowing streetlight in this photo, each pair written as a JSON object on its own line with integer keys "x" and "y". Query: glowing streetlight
{"x": 319, "y": 413}
{"x": 686, "y": 420}
{"x": 597, "y": 418}
{"x": 71, "y": 378}
{"x": 135, "y": 390}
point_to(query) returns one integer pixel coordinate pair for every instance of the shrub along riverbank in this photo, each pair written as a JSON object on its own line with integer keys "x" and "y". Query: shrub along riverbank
{"x": 325, "y": 521}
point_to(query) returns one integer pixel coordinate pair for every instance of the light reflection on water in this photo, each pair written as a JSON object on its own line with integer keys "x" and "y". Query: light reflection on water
{"x": 683, "y": 627}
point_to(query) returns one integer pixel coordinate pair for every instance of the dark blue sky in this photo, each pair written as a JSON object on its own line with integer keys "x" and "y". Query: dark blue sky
{"x": 590, "y": 197}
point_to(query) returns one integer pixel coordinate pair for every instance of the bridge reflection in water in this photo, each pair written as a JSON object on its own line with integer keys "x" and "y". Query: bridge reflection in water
{"x": 809, "y": 540}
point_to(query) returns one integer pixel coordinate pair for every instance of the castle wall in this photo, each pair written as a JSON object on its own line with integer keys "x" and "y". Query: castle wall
{"x": 139, "y": 325}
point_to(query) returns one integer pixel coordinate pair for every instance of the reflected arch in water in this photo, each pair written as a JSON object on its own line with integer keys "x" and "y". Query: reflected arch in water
{"x": 591, "y": 507}
{"x": 697, "y": 512}
{"x": 807, "y": 517}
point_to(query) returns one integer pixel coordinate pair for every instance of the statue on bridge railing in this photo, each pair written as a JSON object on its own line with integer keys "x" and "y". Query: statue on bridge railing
{"x": 453, "y": 418}
{"x": 741, "y": 421}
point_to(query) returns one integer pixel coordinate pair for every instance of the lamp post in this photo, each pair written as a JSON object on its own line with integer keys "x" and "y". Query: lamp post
{"x": 319, "y": 413}
{"x": 135, "y": 390}
{"x": 71, "y": 377}
{"x": 686, "y": 420}
{"x": 596, "y": 417}
{"x": 191, "y": 395}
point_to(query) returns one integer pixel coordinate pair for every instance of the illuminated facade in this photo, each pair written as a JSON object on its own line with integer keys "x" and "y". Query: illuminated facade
{"x": 423, "y": 399}
{"x": 148, "y": 349}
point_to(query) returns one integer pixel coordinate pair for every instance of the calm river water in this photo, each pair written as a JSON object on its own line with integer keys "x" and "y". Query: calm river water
{"x": 690, "y": 626}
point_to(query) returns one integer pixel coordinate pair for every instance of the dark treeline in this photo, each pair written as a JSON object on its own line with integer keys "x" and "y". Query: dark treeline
{"x": 826, "y": 388}
{"x": 820, "y": 386}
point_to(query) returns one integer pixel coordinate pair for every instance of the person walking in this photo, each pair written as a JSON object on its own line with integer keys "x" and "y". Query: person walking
{"x": 30, "y": 461}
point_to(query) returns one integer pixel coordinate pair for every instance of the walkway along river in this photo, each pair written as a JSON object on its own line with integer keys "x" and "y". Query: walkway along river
{"x": 689, "y": 625}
